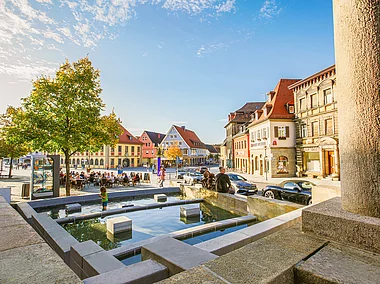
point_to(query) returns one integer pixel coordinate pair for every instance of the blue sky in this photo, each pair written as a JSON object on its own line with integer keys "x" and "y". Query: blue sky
{"x": 164, "y": 62}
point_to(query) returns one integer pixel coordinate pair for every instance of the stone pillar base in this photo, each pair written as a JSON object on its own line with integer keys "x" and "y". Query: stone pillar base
{"x": 330, "y": 221}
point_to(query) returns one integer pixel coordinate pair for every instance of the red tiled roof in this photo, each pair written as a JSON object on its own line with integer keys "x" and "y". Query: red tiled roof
{"x": 282, "y": 96}
{"x": 190, "y": 138}
{"x": 127, "y": 138}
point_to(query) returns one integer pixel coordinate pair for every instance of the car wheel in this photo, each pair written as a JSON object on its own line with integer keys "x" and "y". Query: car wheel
{"x": 269, "y": 194}
{"x": 309, "y": 202}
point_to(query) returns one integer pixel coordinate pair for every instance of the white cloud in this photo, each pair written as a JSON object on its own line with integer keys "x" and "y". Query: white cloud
{"x": 32, "y": 27}
{"x": 269, "y": 9}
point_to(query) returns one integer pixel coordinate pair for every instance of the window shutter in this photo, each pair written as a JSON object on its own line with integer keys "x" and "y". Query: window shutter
{"x": 287, "y": 131}
{"x": 276, "y": 131}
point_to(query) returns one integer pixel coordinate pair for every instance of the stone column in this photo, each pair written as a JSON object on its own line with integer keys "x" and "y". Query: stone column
{"x": 357, "y": 53}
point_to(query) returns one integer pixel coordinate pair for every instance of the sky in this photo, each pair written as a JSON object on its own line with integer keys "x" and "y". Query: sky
{"x": 164, "y": 62}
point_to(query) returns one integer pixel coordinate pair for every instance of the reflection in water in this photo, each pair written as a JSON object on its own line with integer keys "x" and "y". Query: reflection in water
{"x": 145, "y": 224}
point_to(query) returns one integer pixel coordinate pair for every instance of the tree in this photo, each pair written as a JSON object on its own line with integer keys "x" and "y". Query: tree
{"x": 10, "y": 147}
{"x": 63, "y": 114}
{"x": 172, "y": 152}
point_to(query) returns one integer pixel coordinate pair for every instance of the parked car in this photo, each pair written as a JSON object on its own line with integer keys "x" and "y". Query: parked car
{"x": 192, "y": 177}
{"x": 298, "y": 191}
{"x": 241, "y": 185}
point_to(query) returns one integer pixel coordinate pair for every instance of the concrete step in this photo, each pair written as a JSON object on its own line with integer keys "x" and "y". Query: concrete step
{"x": 339, "y": 264}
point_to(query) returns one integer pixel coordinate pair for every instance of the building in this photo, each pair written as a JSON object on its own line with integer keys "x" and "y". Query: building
{"x": 151, "y": 141}
{"x": 241, "y": 149}
{"x": 235, "y": 120}
{"x": 126, "y": 153}
{"x": 272, "y": 134}
{"x": 212, "y": 153}
{"x": 194, "y": 151}
{"x": 316, "y": 119}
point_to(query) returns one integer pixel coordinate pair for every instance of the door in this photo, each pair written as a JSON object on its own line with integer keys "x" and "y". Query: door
{"x": 261, "y": 167}
{"x": 330, "y": 161}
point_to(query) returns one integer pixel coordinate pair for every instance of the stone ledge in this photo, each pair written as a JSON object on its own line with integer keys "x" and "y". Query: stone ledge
{"x": 329, "y": 220}
{"x": 100, "y": 262}
{"x": 337, "y": 264}
{"x": 147, "y": 271}
{"x": 177, "y": 256}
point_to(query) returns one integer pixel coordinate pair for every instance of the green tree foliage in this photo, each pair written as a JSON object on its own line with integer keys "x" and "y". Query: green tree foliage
{"x": 172, "y": 152}
{"x": 10, "y": 146}
{"x": 63, "y": 114}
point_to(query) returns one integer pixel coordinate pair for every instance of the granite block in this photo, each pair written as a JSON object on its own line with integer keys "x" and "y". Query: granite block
{"x": 119, "y": 224}
{"x": 100, "y": 262}
{"x": 190, "y": 211}
{"x": 340, "y": 264}
{"x": 329, "y": 220}
{"x": 75, "y": 207}
{"x": 143, "y": 272}
{"x": 195, "y": 275}
{"x": 160, "y": 197}
{"x": 80, "y": 250}
{"x": 18, "y": 236}
{"x": 177, "y": 256}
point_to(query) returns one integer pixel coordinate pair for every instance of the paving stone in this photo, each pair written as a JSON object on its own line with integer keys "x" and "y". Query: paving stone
{"x": 147, "y": 271}
{"x": 268, "y": 260}
{"x": 100, "y": 262}
{"x": 34, "y": 264}
{"x": 80, "y": 250}
{"x": 18, "y": 236}
{"x": 177, "y": 256}
{"x": 338, "y": 264}
{"x": 195, "y": 275}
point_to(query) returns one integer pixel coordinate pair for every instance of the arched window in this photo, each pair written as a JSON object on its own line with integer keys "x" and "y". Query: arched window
{"x": 73, "y": 161}
{"x": 78, "y": 161}
{"x": 256, "y": 163}
{"x": 282, "y": 165}
{"x": 101, "y": 162}
{"x": 91, "y": 162}
{"x": 96, "y": 162}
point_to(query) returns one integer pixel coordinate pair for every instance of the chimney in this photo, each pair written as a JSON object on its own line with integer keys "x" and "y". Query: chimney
{"x": 183, "y": 127}
{"x": 158, "y": 135}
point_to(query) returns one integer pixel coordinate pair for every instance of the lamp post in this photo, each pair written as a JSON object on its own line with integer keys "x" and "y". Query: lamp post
{"x": 265, "y": 159}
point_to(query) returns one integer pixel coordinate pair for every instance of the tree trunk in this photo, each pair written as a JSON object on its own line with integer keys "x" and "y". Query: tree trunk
{"x": 68, "y": 184}
{"x": 10, "y": 168}
{"x": 357, "y": 54}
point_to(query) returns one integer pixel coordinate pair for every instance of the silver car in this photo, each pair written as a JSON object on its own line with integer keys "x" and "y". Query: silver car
{"x": 192, "y": 178}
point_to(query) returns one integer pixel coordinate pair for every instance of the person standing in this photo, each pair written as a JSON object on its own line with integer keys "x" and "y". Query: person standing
{"x": 104, "y": 195}
{"x": 222, "y": 182}
{"x": 161, "y": 177}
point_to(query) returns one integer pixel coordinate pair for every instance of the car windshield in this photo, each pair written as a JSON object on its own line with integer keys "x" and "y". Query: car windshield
{"x": 305, "y": 185}
{"x": 236, "y": 177}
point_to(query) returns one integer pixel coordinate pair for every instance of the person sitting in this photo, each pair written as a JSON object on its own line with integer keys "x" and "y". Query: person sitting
{"x": 136, "y": 179}
{"x": 125, "y": 180}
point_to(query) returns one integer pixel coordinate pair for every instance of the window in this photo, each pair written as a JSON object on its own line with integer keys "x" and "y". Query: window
{"x": 152, "y": 152}
{"x": 291, "y": 109}
{"x": 112, "y": 150}
{"x": 282, "y": 165}
{"x": 281, "y": 132}
{"x": 253, "y": 136}
{"x": 179, "y": 143}
{"x": 119, "y": 149}
{"x": 290, "y": 185}
{"x": 327, "y": 96}
{"x": 96, "y": 162}
{"x": 302, "y": 104}
{"x": 101, "y": 162}
{"x": 303, "y": 130}
{"x": 132, "y": 149}
{"x": 245, "y": 144}
{"x": 91, "y": 162}
{"x": 184, "y": 151}
{"x": 329, "y": 127}
{"x": 313, "y": 101}
{"x": 138, "y": 148}
{"x": 314, "y": 128}
{"x": 259, "y": 135}
{"x": 147, "y": 152}
{"x": 265, "y": 133}
{"x": 256, "y": 163}
{"x": 112, "y": 162}
{"x": 119, "y": 162}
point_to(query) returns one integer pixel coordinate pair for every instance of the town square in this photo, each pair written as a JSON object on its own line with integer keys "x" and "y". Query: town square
{"x": 192, "y": 141}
